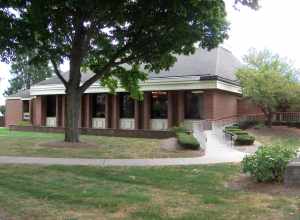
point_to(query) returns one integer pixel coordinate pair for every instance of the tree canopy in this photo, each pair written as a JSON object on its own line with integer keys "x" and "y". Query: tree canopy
{"x": 25, "y": 74}
{"x": 269, "y": 81}
{"x": 105, "y": 35}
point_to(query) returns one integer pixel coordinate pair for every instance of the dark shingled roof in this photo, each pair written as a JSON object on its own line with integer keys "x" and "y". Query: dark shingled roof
{"x": 23, "y": 94}
{"x": 218, "y": 63}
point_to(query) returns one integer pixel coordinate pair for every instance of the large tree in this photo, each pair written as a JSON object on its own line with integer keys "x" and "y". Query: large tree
{"x": 269, "y": 81}
{"x": 104, "y": 35}
{"x": 24, "y": 73}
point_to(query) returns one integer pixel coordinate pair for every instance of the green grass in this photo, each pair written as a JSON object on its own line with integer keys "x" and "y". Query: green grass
{"x": 18, "y": 143}
{"x": 190, "y": 192}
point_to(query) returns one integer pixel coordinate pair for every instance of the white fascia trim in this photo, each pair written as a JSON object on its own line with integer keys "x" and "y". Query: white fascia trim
{"x": 175, "y": 83}
{"x": 12, "y": 98}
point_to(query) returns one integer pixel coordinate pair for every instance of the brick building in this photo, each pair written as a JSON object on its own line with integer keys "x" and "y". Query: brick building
{"x": 197, "y": 87}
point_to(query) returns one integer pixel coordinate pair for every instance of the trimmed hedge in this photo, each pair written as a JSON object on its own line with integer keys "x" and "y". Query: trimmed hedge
{"x": 240, "y": 137}
{"x": 187, "y": 141}
{"x": 244, "y": 139}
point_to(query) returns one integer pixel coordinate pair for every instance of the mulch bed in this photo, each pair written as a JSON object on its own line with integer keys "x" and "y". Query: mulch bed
{"x": 62, "y": 144}
{"x": 246, "y": 183}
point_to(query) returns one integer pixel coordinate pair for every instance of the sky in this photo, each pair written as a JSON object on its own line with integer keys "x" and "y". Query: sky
{"x": 274, "y": 26}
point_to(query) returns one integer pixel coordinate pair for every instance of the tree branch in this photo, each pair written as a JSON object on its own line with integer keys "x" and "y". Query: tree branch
{"x": 56, "y": 70}
{"x": 104, "y": 70}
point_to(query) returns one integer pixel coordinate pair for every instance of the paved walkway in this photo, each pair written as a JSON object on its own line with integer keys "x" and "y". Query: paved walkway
{"x": 216, "y": 152}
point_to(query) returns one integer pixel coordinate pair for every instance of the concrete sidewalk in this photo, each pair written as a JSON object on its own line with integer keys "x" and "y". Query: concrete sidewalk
{"x": 45, "y": 161}
{"x": 216, "y": 152}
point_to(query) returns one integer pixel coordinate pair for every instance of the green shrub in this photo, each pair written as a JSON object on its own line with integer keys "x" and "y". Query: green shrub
{"x": 269, "y": 162}
{"x": 179, "y": 129}
{"x": 240, "y": 132}
{"x": 295, "y": 124}
{"x": 244, "y": 139}
{"x": 187, "y": 141}
{"x": 24, "y": 123}
{"x": 232, "y": 130}
{"x": 247, "y": 124}
{"x": 259, "y": 125}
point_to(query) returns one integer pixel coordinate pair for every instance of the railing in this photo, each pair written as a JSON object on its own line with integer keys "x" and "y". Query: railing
{"x": 286, "y": 116}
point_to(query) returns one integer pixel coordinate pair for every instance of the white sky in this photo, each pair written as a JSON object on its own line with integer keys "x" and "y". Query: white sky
{"x": 275, "y": 26}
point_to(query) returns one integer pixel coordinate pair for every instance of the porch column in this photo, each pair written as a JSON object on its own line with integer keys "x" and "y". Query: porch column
{"x": 170, "y": 109}
{"x": 58, "y": 111}
{"x": 147, "y": 110}
{"x": 180, "y": 104}
{"x": 108, "y": 111}
{"x": 136, "y": 114}
{"x": 115, "y": 111}
{"x": 87, "y": 111}
{"x": 43, "y": 110}
{"x": 63, "y": 107}
{"x": 30, "y": 111}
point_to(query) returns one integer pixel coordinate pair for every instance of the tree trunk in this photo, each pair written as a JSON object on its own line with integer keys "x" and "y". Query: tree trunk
{"x": 269, "y": 119}
{"x": 72, "y": 111}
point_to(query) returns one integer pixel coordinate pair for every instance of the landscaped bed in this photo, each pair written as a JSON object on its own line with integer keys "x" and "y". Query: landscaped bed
{"x": 17, "y": 143}
{"x": 239, "y": 136}
{"x": 188, "y": 192}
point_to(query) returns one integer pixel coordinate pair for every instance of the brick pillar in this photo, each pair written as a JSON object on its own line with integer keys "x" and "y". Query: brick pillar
{"x": 208, "y": 105}
{"x": 170, "y": 110}
{"x": 115, "y": 111}
{"x": 87, "y": 113}
{"x": 30, "y": 111}
{"x": 147, "y": 110}
{"x": 180, "y": 106}
{"x": 57, "y": 111}
{"x": 43, "y": 110}
{"x": 108, "y": 111}
{"x": 63, "y": 107}
{"x": 136, "y": 114}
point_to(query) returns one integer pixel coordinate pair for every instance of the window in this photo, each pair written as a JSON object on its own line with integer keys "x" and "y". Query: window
{"x": 126, "y": 106}
{"x": 98, "y": 101}
{"x": 25, "y": 106}
{"x": 159, "y": 105}
{"x": 51, "y": 106}
{"x": 193, "y": 105}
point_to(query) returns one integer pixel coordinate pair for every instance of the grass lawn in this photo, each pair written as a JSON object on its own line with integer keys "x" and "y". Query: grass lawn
{"x": 289, "y": 137}
{"x": 18, "y": 143}
{"x": 188, "y": 192}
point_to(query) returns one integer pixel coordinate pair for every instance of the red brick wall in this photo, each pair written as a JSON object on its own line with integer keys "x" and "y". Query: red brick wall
{"x": 225, "y": 105}
{"x": 39, "y": 111}
{"x": 219, "y": 104}
{"x": 13, "y": 113}
{"x": 246, "y": 107}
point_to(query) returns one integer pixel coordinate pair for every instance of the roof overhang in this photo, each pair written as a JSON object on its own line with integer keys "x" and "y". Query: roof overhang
{"x": 159, "y": 84}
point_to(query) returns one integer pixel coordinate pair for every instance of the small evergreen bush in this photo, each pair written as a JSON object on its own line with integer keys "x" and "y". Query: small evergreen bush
{"x": 187, "y": 141}
{"x": 244, "y": 139}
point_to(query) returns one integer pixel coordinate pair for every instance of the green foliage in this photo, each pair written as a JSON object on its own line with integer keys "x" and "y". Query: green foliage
{"x": 245, "y": 124}
{"x": 24, "y": 73}
{"x": 268, "y": 80}
{"x": 244, "y": 139}
{"x": 259, "y": 125}
{"x": 187, "y": 141}
{"x": 240, "y": 137}
{"x": 179, "y": 129}
{"x": 103, "y": 36}
{"x": 24, "y": 123}
{"x": 269, "y": 162}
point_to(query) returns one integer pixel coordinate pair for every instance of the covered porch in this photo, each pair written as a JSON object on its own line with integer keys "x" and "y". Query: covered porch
{"x": 159, "y": 110}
